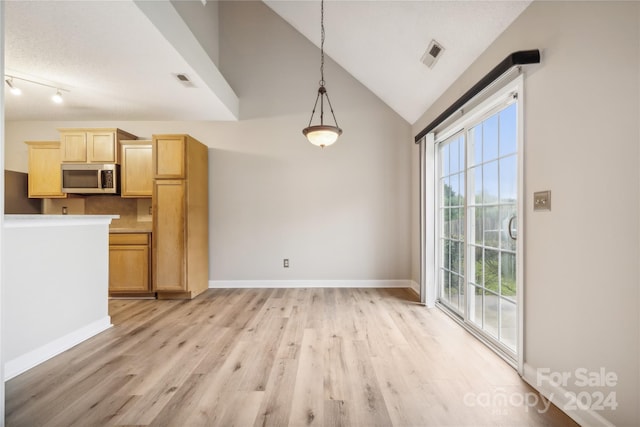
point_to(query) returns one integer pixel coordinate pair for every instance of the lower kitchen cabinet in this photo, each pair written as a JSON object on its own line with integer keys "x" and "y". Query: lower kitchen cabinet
{"x": 129, "y": 264}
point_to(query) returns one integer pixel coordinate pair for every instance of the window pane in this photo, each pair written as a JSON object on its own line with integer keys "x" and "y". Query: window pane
{"x": 446, "y": 186}
{"x": 490, "y": 182}
{"x": 479, "y": 266}
{"x": 490, "y": 139}
{"x": 454, "y": 156}
{"x": 461, "y": 221}
{"x": 475, "y": 136}
{"x": 444, "y": 160}
{"x": 491, "y": 226}
{"x": 461, "y": 190}
{"x": 454, "y": 291}
{"x": 508, "y": 275}
{"x": 455, "y": 257}
{"x": 475, "y": 184}
{"x": 477, "y": 223}
{"x": 508, "y": 135}
{"x": 445, "y": 284}
{"x": 461, "y": 265}
{"x": 446, "y": 254}
{"x": 446, "y": 223}
{"x": 508, "y": 180}
{"x": 462, "y": 151}
{"x": 454, "y": 188}
{"x": 491, "y": 270}
{"x": 491, "y": 306}
{"x": 508, "y": 323}
{"x": 475, "y": 305}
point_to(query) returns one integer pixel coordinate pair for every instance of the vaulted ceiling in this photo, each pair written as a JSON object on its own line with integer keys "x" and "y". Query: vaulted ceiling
{"x": 112, "y": 60}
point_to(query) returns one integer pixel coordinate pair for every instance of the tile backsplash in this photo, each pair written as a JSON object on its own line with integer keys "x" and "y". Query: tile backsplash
{"x": 131, "y": 211}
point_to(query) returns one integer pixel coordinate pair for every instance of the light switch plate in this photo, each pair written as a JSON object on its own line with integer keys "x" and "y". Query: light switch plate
{"x": 542, "y": 201}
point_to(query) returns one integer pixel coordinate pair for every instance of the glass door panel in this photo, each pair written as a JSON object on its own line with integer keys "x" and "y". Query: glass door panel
{"x": 477, "y": 207}
{"x": 451, "y": 206}
{"x": 494, "y": 181}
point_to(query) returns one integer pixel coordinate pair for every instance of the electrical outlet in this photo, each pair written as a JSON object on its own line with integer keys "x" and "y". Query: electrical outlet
{"x": 285, "y": 263}
{"x": 64, "y": 210}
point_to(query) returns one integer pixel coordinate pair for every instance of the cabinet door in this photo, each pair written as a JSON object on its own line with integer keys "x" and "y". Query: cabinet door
{"x": 102, "y": 147}
{"x": 73, "y": 146}
{"x": 128, "y": 268}
{"x": 169, "y": 157}
{"x": 45, "y": 178}
{"x": 136, "y": 173}
{"x": 169, "y": 236}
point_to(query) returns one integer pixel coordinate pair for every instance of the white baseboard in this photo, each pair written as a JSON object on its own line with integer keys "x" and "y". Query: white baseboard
{"x": 20, "y": 364}
{"x": 243, "y": 284}
{"x": 560, "y": 397}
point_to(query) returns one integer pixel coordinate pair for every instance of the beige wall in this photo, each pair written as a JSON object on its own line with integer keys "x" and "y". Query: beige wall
{"x": 341, "y": 213}
{"x": 582, "y": 143}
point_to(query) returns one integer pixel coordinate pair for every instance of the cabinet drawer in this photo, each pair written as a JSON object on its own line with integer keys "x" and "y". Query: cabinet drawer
{"x": 129, "y": 238}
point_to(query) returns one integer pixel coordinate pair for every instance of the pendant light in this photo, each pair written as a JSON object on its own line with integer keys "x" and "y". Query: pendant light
{"x": 322, "y": 135}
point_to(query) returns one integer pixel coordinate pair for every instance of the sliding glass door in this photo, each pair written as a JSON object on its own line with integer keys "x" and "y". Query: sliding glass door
{"x": 452, "y": 223}
{"x": 477, "y": 191}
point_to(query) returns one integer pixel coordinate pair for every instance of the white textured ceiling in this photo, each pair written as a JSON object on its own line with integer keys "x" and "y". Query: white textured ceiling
{"x": 117, "y": 65}
{"x": 381, "y": 42}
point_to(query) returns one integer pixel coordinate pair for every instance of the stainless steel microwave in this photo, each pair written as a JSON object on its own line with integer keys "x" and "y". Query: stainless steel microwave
{"x": 89, "y": 178}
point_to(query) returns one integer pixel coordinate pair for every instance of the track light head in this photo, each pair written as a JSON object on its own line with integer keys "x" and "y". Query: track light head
{"x": 57, "y": 98}
{"x": 14, "y": 90}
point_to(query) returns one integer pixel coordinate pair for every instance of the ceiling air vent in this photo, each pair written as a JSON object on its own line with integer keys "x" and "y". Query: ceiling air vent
{"x": 184, "y": 79}
{"x": 434, "y": 51}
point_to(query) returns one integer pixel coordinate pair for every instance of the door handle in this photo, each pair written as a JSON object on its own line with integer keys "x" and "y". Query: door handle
{"x": 509, "y": 228}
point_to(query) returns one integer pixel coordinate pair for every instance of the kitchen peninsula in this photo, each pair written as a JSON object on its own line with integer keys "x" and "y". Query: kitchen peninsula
{"x": 56, "y": 275}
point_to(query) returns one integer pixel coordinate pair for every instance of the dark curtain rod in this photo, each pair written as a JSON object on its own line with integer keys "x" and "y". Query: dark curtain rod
{"x": 516, "y": 58}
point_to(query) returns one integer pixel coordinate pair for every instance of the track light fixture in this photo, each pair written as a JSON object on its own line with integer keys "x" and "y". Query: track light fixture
{"x": 57, "y": 97}
{"x": 322, "y": 135}
{"x": 13, "y": 89}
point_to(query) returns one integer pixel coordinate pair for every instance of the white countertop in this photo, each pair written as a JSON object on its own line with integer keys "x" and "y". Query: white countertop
{"x": 14, "y": 221}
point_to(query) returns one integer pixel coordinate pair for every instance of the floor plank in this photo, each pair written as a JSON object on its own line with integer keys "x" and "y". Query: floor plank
{"x": 274, "y": 357}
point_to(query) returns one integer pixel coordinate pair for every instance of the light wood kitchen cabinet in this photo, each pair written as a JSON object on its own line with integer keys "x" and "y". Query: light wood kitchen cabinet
{"x": 180, "y": 217}
{"x": 92, "y": 145}
{"x": 169, "y": 156}
{"x": 136, "y": 176}
{"x": 45, "y": 177}
{"x": 129, "y": 264}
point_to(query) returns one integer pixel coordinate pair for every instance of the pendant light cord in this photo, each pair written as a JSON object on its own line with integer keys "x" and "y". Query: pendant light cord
{"x": 322, "y": 43}
{"x": 322, "y": 92}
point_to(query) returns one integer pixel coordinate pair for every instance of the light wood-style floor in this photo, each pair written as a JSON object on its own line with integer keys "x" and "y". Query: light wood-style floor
{"x": 277, "y": 357}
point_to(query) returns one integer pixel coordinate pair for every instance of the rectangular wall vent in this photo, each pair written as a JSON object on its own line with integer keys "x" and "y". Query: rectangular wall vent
{"x": 433, "y": 53}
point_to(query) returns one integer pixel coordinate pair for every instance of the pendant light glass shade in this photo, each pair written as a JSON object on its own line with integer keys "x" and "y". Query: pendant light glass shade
{"x": 322, "y": 135}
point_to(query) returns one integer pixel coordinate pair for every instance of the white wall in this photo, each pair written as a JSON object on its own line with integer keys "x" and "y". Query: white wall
{"x": 341, "y": 213}
{"x": 582, "y": 143}
{"x": 55, "y": 287}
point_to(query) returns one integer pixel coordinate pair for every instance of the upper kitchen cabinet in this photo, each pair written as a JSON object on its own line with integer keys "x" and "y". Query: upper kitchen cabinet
{"x": 92, "y": 145}
{"x": 169, "y": 156}
{"x": 136, "y": 171}
{"x": 45, "y": 179}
